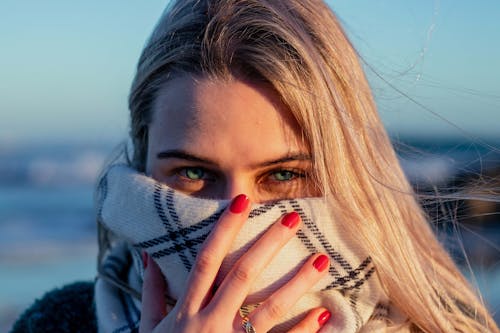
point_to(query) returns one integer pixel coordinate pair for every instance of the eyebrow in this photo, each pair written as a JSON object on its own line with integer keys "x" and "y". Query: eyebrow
{"x": 181, "y": 154}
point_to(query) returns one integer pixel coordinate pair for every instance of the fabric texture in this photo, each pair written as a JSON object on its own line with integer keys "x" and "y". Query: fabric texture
{"x": 66, "y": 310}
{"x": 145, "y": 215}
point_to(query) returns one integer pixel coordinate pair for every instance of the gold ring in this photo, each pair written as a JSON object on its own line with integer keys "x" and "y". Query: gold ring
{"x": 247, "y": 325}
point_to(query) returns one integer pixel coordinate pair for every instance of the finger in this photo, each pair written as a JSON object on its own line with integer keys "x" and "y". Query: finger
{"x": 313, "y": 322}
{"x": 279, "y": 303}
{"x": 236, "y": 285}
{"x": 213, "y": 251}
{"x": 153, "y": 300}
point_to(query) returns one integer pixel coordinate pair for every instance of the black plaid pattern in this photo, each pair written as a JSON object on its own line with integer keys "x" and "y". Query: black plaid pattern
{"x": 169, "y": 227}
{"x": 381, "y": 312}
{"x": 181, "y": 241}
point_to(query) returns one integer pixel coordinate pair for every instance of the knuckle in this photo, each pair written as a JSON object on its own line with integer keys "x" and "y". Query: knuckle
{"x": 274, "y": 310}
{"x": 242, "y": 273}
{"x": 205, "y": 263}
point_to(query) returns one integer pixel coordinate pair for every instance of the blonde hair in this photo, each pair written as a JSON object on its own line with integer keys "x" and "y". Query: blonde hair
{"x": 299, "y": 48}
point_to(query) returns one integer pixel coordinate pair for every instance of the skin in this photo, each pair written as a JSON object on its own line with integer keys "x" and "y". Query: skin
{"x": 237, "y": 137}
{"x": 219, "y": 139}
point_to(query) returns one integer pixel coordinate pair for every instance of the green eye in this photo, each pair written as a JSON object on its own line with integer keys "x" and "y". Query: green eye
{"x": 194, "y": 173}
{"x": 284, "y": 175}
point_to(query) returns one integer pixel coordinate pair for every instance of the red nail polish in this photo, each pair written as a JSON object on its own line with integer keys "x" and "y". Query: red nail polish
{"x": 144, "y": 259}
{"x": 239, "y": 204}
{"x": 321, "y": 263}
{"x": 323, "y": 317}
{"x": 290, "y": 220}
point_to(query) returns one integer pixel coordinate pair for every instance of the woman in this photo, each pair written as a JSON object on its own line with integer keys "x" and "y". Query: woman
{"x": 268, "y": 99}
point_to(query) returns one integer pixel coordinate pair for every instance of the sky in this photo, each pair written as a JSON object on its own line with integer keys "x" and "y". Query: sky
{"x": 66, "y": 66}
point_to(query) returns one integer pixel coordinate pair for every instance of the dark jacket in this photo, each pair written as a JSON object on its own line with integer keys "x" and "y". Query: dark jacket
{"x": 64, "y": 310}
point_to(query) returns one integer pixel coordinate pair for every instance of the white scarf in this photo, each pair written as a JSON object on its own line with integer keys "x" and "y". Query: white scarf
{"x": 145, "y": 215}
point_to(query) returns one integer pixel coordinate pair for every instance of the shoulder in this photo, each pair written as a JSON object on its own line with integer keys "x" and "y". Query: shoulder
{"x": 67, "y": 309}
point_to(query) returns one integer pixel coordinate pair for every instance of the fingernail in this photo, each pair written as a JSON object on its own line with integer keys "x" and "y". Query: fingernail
{"x": 323, "y": 317}
{"x": 290, "y": 220}
{"x": 321, "y": 263}
{"x": 239, "y": 204}
{"x": 144, "y": 259}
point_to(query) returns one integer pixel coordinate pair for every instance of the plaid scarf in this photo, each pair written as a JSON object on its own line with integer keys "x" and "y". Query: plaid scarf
{"x": 145, "y": 215}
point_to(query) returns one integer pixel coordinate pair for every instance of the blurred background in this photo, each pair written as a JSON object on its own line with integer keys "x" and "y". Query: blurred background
{"x": 65, "y": 71}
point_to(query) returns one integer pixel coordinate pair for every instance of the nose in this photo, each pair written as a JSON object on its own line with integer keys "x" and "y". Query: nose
{"x": 238, "y": 185}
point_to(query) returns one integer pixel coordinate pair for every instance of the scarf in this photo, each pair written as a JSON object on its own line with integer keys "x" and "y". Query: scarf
{"x": 145, "y": 215}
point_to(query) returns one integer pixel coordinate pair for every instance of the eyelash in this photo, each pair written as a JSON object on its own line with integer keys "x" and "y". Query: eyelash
{"x": 295, "y": 174}
{"x": 182, "y": 172}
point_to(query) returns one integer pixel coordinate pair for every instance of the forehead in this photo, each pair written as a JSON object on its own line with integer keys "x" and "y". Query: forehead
{"x": 220, "y": 117}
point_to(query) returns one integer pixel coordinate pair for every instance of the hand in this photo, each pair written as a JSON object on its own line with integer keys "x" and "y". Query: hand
{"x": 199, "y": 309}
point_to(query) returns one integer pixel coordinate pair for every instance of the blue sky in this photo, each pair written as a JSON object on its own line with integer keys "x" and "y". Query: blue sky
{"x": 66, "y": 67}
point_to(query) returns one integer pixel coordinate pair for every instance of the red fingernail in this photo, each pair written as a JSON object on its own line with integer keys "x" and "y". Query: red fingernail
{"x": 144, "y": 259}
{"x": 290, "y": 220}
{"x": 323, "y": 317}
{"x": 239, "y": 204}
{"x": 321, "y": 263}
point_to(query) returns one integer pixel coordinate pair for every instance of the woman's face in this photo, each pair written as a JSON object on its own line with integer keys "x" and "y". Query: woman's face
{"x": 217, "y": 139}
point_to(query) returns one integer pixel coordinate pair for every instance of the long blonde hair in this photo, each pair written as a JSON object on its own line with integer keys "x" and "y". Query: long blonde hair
{"x": 299, "y": 48}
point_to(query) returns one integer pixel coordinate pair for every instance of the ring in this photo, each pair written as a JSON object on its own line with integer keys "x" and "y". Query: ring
{"x": 247, "y": 325}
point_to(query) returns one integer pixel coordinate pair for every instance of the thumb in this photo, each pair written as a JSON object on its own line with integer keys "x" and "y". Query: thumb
{"x": 153, "y": 299}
